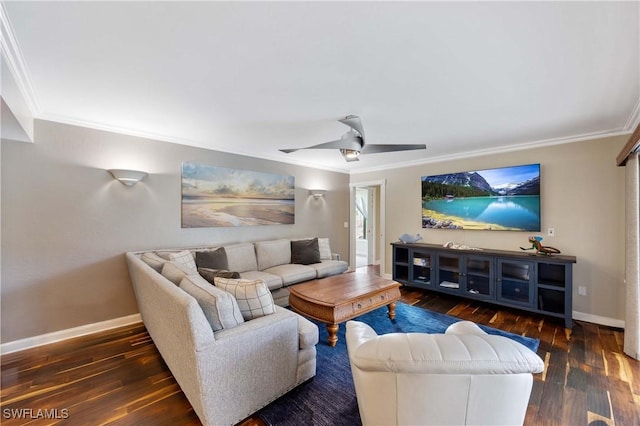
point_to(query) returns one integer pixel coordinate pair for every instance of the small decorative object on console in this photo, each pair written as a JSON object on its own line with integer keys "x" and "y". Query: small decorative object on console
{"x": 452, "y": 245}
{"x": 409, "y": 239}
{"x": 540, "y": 249}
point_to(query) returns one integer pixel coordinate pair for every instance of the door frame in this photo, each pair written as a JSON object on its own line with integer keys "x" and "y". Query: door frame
{"x": 381, "y": 184}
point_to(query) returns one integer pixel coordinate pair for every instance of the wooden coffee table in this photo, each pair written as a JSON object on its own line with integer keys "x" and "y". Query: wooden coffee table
{"x": 334, "y": 300}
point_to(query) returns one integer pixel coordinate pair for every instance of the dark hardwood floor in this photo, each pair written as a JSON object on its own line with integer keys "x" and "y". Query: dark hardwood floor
{"x": 117, "y": 377}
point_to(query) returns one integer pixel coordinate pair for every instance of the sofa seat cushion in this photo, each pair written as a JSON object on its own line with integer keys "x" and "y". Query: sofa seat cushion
{"x": 329, "y": 267}
{"x": 253, "y": 297}
{"x": 273, "y": 281}
{"x": 308, "y": 334}
{"x": 293, "y": 273}
{"x": 272, "y": 253}
{"x": 241, "y": 257}
{"x": 219, "y": 307}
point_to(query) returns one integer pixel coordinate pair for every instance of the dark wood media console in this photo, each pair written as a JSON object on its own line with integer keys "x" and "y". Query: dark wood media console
{"x": 523, "y": 280}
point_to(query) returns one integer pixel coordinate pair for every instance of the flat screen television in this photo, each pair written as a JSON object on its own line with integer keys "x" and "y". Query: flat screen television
{"x": 502, "y": 199}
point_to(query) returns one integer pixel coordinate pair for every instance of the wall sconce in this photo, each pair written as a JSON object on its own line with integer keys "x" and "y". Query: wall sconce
{"x": 128, "y": 177}
{"x": 317, "y": 193}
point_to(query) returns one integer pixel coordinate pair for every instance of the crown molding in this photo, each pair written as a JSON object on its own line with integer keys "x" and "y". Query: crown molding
{"x": 499, "y": 150}
{"x": 15, "y": 62}
{"x": 164, "y": 138}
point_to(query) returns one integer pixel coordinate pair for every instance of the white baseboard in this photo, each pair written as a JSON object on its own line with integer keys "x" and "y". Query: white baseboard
{"x": 597, "y": 319}
{"x": 69, "y": 333}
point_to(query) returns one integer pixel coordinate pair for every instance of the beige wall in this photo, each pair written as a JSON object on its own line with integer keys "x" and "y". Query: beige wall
{"x": 66, "y": 223}
{"x": 582, "y": 198}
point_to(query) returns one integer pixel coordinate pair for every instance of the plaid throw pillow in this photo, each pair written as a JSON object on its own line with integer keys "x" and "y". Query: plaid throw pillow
{"x": 186, "y": 258}
{"x": 253, "y": 296}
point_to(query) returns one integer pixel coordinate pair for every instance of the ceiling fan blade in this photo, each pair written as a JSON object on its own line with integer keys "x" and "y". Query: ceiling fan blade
{"x": 374, "y": 149}
{"x": 354, "y": 143}
{"x": 354, "y": 122}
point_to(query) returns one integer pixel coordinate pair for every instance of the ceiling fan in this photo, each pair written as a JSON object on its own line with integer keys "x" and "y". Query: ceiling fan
{"x": 352, "y": 143}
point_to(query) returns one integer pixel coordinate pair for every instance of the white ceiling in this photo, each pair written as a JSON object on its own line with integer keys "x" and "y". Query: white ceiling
{"x": 249, "y": 78}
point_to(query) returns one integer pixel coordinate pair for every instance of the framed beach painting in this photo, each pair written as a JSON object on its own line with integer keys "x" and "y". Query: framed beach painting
{"x": 218, "y": 196}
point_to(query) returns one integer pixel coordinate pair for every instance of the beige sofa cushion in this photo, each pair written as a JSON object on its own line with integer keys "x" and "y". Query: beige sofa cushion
{"x": 273, "y": 253}
{"x": 293, "y": 273}
{"x": 273, "y": 281}
{"x": 241, "y": 257}
{"x": 153, "y": 260}
{"x": 329, "y": 267}
{"x": 253, "y": 297}
{"x": 175, "y": 272}
{"x": 219, "y": 307}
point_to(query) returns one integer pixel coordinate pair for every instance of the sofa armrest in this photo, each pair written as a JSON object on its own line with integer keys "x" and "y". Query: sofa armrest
{"x": 438, "y": 353}
{"x": 308, "y": 333}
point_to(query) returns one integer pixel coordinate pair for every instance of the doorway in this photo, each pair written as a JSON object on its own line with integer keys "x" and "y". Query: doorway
{"x": 367, "y": 226}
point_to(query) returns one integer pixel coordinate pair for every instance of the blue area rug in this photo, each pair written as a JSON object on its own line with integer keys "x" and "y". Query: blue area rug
{"x": 330, "y": 398}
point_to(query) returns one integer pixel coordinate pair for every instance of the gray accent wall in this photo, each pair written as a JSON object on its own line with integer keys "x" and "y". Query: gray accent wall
{"x": 66, "y": 223}
{"x": 582, "y": 198}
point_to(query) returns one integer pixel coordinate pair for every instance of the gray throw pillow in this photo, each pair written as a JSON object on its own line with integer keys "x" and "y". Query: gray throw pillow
{"x": 219, "y": 307}
{"x": 212, "y": 259}
{"x": 305, "y": 252}
{"x": 210, "y": 274}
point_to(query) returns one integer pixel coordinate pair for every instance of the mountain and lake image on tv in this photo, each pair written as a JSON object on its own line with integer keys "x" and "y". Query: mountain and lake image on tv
{"x": 502, "y": 199}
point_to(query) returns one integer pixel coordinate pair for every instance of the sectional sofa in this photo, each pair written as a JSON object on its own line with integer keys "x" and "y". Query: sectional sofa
{"x": 230, "y": 346}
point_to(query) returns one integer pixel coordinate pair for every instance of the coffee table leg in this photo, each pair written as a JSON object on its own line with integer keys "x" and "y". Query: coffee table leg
{"x": 392, "y": 310}
{"x": 332, "y": 329}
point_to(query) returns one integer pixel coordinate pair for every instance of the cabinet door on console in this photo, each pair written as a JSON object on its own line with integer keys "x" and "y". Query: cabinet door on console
{"x": 449, "y": 273}
{"x": 479, "y": 277}
{"x": 515, "y": 282}
{"x": 422, "y": 271}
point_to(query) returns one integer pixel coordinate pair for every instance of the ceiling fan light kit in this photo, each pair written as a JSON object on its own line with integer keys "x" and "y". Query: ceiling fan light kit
{"x": 352, "y": 144}
{"x": 350, "y": 154}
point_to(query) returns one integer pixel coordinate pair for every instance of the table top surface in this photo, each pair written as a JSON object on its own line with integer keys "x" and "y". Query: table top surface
{"x": 340, "y": 289}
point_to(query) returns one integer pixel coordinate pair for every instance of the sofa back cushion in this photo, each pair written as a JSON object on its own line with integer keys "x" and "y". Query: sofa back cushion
{"x": 241, "y": 257}
{"x": 219, "y": 307}
{"x": 272, "y": 253}
{"x": 153, "y": 260}
{"x": 175, "y": 271}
